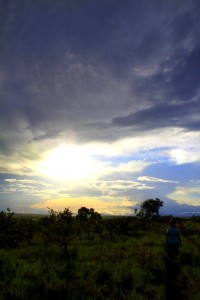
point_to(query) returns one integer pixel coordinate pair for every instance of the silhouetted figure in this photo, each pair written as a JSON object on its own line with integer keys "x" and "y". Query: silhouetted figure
{"x": 181, "y": 226}
{"x": 173, "y": 240}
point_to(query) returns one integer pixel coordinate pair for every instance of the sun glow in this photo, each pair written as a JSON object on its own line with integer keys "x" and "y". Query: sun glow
{"x": 71, "y": 163}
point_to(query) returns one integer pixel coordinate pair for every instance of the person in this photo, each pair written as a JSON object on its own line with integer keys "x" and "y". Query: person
{"x": 181, "y": 226}
{"x": 173, "y": 240}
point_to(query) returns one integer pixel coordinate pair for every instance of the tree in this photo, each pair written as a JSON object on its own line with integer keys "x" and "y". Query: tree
{"x": 58, "y": 227}
{"x": 11, "y": 231}
{"x": 83, "y": 214}
{"x": 150, "y": 208}
{"x": 89, "y": 219}
{"x": 86, "y": 214}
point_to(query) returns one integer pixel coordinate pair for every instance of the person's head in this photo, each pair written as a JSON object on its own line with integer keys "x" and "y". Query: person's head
{"x": 172, "y": 222}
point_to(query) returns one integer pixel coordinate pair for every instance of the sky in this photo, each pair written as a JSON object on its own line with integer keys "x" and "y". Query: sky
{"x": 100, "y": 105}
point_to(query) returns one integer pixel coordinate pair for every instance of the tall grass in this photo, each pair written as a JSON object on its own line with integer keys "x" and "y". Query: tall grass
{"x": 125, "y": 267}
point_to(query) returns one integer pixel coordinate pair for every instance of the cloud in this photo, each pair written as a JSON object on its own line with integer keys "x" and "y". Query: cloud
{"x": 90, "y": 75}
{"x": 124, "y": 156}
{"x": 163, "y": 115}
{"x": 153, "y": 179}
{"x": 116, "y": 80}
{"x": 122, "y": 206}
{"x": 119, "y": 187}
{"x": 186, "y": 195}
{"x": 181, "y": 156}
{"x": 37, "y": 188}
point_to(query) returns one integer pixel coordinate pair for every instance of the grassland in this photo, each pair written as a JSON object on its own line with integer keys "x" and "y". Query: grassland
{"x": 127, "y": 266}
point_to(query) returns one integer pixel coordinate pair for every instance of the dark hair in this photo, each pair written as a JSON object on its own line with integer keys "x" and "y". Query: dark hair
{"x": 172, "y": 222}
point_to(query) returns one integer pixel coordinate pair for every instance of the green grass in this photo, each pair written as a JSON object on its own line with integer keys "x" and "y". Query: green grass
{"x": 126, "y": 267}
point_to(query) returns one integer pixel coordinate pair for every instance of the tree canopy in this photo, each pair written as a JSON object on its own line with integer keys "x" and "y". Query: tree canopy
{"x": 150, "y": 208}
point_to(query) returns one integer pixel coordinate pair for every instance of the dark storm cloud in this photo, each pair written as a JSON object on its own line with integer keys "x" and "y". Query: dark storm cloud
{"x": 186, "y": 76}
{"x": 176, "y": 79}
{"x": 164, "y": 115}
{"x": 47, "y": 135}
{"x": 67, "y": 64}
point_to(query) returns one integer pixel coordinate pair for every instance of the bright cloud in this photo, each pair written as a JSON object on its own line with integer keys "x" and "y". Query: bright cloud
{"x": 153, "y": 179}
{"x": 186, "y": 195}
{"x": 182, "y": 156}
{"x": 70, "y": 162}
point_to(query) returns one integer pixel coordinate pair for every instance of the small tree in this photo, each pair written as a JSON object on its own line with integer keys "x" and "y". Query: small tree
{"x": 88, "y": 219}
{"x": 11, "y": 231}
{"x": 150, "y": 208}
{"x": 58, "y": 227}
{"x": 83, "y": 214}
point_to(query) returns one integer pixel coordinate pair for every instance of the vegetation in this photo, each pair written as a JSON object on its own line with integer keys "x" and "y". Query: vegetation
{"x": 149, "y": 208}
{"x": 89, "y": 257}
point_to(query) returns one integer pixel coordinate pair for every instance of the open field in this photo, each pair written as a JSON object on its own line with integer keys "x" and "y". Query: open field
{"x": 129, "y": 264}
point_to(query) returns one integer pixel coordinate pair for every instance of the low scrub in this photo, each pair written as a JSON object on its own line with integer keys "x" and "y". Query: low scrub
{"x": 125, "y": 261}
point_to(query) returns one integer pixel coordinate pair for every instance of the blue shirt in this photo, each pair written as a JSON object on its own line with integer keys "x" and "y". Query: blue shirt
{"x": 172, "y": 235}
